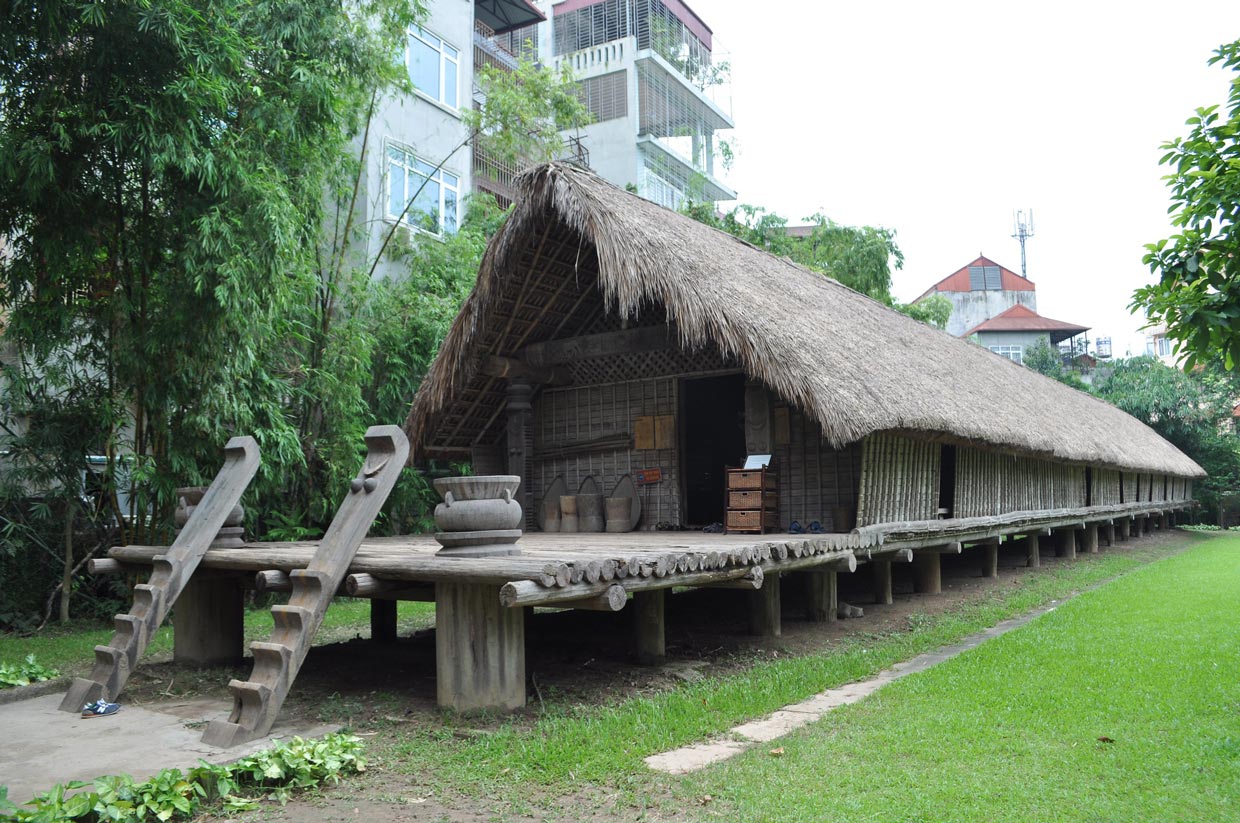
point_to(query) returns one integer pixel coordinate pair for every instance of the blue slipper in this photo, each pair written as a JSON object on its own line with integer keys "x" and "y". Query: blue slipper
{"x": 815, "y": 527}
{"x": 795, "y": 528}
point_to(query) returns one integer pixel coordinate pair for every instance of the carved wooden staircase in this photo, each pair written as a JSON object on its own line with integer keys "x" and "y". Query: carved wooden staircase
{"x": 152, "y": 600}
{"x": 257, "y": 702}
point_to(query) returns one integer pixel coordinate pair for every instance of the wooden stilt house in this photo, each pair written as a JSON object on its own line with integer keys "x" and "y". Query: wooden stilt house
{"x": 608, "y": 336}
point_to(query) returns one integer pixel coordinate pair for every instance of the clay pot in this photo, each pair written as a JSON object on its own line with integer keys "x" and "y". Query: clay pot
{"x": 590, "y": 512}
{"x": 551, "y": 515}
{"x": 482, "y": 487}
{"x": 568, "y": 513}
{"x": 478, "y": 516}
{"x": 619, "y": 513}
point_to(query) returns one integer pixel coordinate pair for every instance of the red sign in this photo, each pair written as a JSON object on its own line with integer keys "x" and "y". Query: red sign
{"x": 647, "y": 476}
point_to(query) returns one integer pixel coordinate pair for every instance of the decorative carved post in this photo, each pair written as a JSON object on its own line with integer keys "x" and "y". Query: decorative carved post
{"x": 519, "y": 392}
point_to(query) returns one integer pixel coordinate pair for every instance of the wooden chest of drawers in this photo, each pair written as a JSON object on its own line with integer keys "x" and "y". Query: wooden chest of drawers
{"x": 752, "y": 501}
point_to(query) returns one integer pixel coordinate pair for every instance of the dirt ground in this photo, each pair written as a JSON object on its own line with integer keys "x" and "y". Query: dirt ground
{"x": 380, "y": 691}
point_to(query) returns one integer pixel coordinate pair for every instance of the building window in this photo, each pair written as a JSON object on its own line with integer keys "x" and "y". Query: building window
{"x": 606, "y": 97}
{"x": 435, "y": 207}
{"x": 1014, "y": 353}
{"x": 433, "y": 66}
{"x": 985, "y": 278}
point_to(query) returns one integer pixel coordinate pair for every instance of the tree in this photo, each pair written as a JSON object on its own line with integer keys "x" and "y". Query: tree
{"x": 1192, "y": 410}
{"x": 1197, "y": 296}
{"x": 860, "y": 257}
{"x": 162, "y": 173}
{"x": 367, "y": 341}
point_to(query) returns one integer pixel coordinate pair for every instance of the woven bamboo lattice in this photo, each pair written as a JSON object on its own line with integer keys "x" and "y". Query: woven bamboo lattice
{"x": 1106, "y": 487}
{"x": 899, "y": 480}
{"x": 583, "y": 414}
{"x": 620, "y": 368}
{"x": 816, "y": 481}
{"x": 990, "y": 483}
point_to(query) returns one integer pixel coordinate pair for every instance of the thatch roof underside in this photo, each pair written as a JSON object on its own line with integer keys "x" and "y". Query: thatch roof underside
{"x": 577, "y": 252}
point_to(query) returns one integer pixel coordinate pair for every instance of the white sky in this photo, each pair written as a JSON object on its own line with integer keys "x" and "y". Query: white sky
{"x": 939, "y": 120}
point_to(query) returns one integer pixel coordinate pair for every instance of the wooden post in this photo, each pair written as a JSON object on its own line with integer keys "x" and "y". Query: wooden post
{"x": 1065, "y": 545}
{"x": 764, "y": 618}
{"x": 479, "y": 649}
{"x": 518, "y": 409}
{"x": 1125, "y": 528}
{"x": 383, "y": 621}
{"x": 1034, "y": 559}
{"x": 649, "y": 612}
{"x": 927, "y": 573}
{"x": 990, "y": 560}
{"x": 208, "y": 622}
{"x": 1110, "y": 534}
{"x": 821, "y": 596}
{"x": 882, "y": 581}
{"x": 1090, "y": 538}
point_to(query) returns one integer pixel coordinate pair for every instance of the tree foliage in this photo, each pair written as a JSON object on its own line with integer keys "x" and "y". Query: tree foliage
{"x": 1192, "y": 410}
{"x": 1197, "y": 295}
{"x": 1046, "y": 359}
{"x": 179, "y": 202}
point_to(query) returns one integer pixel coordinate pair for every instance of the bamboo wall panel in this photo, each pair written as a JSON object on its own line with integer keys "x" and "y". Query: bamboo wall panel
{"x": 575, "y": 414}
{"x": 989, "y": 483}
{"x": 899, "y": 480}
{"x": 814, "y": 479}
{"x": 1106, "y": 487}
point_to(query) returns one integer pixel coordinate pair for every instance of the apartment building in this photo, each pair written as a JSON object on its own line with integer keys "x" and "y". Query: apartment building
{"x": 658, "y": 93}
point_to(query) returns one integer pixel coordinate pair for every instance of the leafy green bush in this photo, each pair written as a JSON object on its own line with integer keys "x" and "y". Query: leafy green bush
{"x": 271, "y": 774}
{"x": 24, "y": 673}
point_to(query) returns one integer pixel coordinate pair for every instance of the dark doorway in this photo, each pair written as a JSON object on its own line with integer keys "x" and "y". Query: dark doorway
{"x": 713, "y": 422}
{"x": 947, "y": 480}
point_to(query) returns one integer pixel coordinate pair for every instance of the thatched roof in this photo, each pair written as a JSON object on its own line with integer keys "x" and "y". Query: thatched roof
{"x": 577, "y": 248}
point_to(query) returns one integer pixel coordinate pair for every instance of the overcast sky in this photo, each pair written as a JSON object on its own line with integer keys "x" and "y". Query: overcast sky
{"x": 938, "y": 120}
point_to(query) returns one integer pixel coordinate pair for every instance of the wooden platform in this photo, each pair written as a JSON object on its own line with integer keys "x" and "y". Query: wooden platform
{"x": 480, "y": 628}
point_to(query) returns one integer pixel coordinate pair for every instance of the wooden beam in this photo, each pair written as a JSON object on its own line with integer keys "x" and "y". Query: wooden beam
{"x": 383, "y": 621}
{"x": 821, "y": 595}
{"x": 990, "y": 560}
{"x": 209, "y": 622}
{"x": 612, "y": 600}
{"x": 650, "y": 619}
{"x": 624, "y": 341}
{"x": 510, "y": 368}
{"x": 927, "y": 572}
{"x": 882, "y": 582}
{"x": 764, "y": 609}
{"x": 479, "y": 649}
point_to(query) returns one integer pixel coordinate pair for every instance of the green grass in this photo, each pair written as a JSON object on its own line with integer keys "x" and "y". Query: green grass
{"x": 1011, "y": 730}
{"x": 72, "y": 648}
{"x": 605, "y": 745}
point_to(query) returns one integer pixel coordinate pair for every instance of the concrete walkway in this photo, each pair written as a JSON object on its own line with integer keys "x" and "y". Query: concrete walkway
{"x": 697, "y": 756}
{"x": 43, "y": 746}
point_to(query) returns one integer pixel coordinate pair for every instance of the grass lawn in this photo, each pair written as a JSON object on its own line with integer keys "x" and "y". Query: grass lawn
{"x": 569, "y": 747}
{"x": 1014, "y": 730}
{"x": 72, "y": 648}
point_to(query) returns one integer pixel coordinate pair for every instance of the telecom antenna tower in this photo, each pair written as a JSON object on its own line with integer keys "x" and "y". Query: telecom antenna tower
{"x": 1022, "y": 230}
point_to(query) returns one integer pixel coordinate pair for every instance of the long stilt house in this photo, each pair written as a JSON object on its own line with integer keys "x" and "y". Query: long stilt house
{"x": 608, "y": 344}
{"x": 609, "y": 336}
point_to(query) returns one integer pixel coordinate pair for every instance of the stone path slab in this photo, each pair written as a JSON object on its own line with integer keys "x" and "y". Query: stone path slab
{"x": 790, "y": 718}
{"x": 44, "y": 746}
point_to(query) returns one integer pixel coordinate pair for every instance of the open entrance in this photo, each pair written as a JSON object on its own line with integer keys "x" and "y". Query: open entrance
{"x": 713, "y": 415}
{"x": 947, "y": 480}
